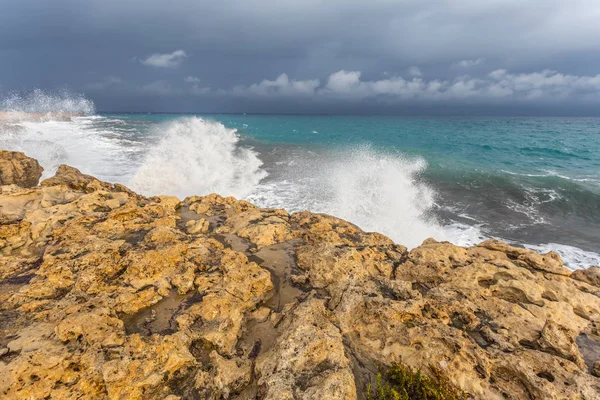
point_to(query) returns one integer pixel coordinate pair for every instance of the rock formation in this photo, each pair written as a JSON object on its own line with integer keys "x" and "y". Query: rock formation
{"x": 108, "y": 294}
{"x": 18, "y": 169}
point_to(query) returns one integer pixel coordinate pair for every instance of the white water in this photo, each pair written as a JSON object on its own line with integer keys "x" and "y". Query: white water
{"x": 573, "y": 257}
{"x": 199, "y": 157}
{"x": 378, "y": 192}
{"x": 38, "y": 101}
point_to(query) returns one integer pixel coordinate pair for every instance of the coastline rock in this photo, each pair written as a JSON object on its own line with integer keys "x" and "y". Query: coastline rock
{"x": 590, "y": 276}
{"x": 108, "y": 294}
{"x": 18, "y": 169}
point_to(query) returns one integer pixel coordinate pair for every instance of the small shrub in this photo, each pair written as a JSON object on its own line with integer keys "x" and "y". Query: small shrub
{"x": 401, "y": 382}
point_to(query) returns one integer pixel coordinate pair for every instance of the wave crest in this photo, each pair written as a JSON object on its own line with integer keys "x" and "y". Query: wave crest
{"x": 198, "y": 157}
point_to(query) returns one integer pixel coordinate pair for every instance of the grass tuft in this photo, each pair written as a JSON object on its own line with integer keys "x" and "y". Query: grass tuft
{"x": 401, "y": 382}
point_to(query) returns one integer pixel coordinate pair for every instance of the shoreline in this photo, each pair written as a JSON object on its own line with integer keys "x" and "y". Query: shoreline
{"x": 508, "y": 213}
{"x": 126, "y": 296}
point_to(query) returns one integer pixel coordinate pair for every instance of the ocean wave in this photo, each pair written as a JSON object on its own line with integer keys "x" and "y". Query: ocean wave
{"x": 557, "y": 153}
{"x": 198, "y": 157}
{"x": 554, "y": 174}
{"x": 374, "y": 190}
{"x": 378, "y": 190}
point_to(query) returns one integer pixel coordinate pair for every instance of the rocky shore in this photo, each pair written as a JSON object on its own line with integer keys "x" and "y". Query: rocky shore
{"x": 108, "y": 294}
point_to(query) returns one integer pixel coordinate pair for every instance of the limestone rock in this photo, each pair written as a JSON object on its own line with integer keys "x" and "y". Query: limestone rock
{"x": 590, "y": 276}
{"x": 549, "y": 262}
{"x": 107, "y": 294}
{"x": 197, "y": 226}
{"x": 560, "y": 340}
{"x": 18, "y": 169}
{"x": 596, "y": 369}
{"x": 308, "y": 360}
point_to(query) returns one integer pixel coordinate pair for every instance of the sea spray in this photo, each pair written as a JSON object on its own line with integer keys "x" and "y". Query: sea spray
{"x": 38, "y": 101}
{"x": 377, "y": 191}
{"x": 43, "y": 126}
{"x": 198, "y": 157}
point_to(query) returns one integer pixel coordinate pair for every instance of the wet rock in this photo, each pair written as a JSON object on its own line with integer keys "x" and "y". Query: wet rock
{"x": 18, "y": 169}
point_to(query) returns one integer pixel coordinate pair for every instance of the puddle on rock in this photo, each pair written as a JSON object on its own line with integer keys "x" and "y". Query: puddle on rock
{"x": 160, "y": 317}
{"x": 279, "y": 260}
{"x": 185, "y": 215}
{"x": 259, "y": 336}
{"x": 589, "y": 347}
{"x": 235, "y": 242}
{"x": 12, "y": 285}
{"x": 132, "y": 237}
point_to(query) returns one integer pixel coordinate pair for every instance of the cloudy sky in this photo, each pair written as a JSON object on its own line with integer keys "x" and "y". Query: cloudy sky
{"x": 307, "y": 56}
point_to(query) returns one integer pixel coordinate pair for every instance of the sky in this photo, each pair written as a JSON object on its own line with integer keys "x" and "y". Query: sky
{"x": 304, "y": 56}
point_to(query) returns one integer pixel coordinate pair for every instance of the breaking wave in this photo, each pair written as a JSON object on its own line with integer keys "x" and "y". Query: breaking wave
{"x": 378, "y": 192}
{"x": 198, "y": 157}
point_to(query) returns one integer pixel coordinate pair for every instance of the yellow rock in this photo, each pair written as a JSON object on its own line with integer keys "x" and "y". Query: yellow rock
{"x": 105, "y": 294}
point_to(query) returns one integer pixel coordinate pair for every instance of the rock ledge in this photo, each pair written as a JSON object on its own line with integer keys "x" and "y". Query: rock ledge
{"x": 106, "y": 294}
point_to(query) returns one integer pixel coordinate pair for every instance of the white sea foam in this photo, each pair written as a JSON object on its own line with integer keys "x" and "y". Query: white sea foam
{"x": 551, "y": 173}
{"x": 198, "y": 157}
{"x": 74, "y": 143}
{"x": 573, "y": 257}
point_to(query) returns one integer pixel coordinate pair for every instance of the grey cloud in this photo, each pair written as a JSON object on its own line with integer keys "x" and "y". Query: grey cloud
{"x": 499, "y": 84}
{"x": 470, "y": 63}
{"x": 198, "y": 90}
{"x": 281, "y": 86}
{"x": 191, "y": 79}
{"x": 108, "y": 82}
{"x": 167, "y": 60}
{"x": 414, "y": 71}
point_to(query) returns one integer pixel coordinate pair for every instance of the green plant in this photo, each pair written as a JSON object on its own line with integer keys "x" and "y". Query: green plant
{"x": 401, "y": 382}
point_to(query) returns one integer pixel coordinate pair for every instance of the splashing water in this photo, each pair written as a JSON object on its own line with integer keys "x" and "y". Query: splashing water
{"x": 41, "y": 102}
{"x": 198, "y": 157}
{"x": 382, "y": 193}
{"x": 378, "y": 192}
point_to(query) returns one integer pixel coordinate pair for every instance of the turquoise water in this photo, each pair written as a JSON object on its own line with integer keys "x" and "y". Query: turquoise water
{"x": 531, "y": 181}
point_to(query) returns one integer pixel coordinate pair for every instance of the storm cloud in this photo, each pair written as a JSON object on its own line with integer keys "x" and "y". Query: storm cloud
{"x": 388, "y": 56}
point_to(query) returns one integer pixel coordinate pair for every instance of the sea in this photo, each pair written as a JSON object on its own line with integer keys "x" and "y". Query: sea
{"x": 533, "y": 182}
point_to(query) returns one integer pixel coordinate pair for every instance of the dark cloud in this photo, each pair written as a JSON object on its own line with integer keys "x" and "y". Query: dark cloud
{"x": 307, "y": 55}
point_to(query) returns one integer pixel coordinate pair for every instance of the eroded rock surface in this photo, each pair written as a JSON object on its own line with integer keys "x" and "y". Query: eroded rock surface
{"x": 108, "y": 294}
{"x": 18, "y": 169}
